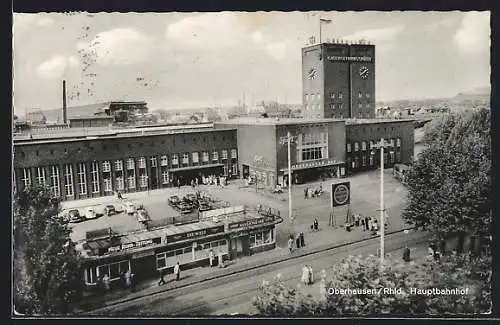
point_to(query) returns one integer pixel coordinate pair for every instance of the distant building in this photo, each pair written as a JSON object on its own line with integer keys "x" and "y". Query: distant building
{"x": 90, "y": 121}
{"x": 35, "y": 116}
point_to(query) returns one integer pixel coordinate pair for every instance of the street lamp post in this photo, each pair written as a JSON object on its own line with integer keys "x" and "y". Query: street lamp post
{"x": 382, "y": 144}
{"x": 288, "y": 139}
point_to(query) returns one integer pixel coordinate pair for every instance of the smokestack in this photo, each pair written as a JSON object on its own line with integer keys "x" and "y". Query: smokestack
{"x": 65, "y": 116}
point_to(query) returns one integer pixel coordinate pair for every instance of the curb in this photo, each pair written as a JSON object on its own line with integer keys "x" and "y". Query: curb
{"x": 264, "y": 263}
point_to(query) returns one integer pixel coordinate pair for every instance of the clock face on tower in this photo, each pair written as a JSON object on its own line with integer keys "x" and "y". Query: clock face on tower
{"x": 363, "y": 72}
{"x": 312, "y": 73}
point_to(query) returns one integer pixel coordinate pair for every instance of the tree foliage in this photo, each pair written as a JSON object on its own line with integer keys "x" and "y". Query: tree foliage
{"x": 47, "y": 277}
{"x": 277, "y": 299}
{"x": 449, "y": 185}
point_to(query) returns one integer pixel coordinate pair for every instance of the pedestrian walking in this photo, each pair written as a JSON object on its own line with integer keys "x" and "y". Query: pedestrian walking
{"x": 316, "y": 225}
{"x": 297, "y": 241}
{"x": 177, "y": 271}
{"x": 305, "y": 275}
{"x": 302, "y": 241}
{"x": 119, "y": 195}
{"x": 367, "y": 223}
{"x": 363, "y": 224}
{"x": 132, "y": 282}
{"x": 162, "y": 278}
{"x": 356, "y": 220}
{"x": 306, "y": 190}
{"x": 310, "y": 274}
{"x": 290, "y": 244}
{"x": 322, "y": 289}
{"x": 406, "y": 254}
{"x": 370, "y": 224}
{"x": 220, "y": 259}
{"x": 128, "y": 280}
{"x": 105, "y": 282}
{"x": 211, "y": 258}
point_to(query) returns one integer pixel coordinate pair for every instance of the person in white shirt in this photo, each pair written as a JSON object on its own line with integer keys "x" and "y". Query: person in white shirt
{"x": 177, "y": 271}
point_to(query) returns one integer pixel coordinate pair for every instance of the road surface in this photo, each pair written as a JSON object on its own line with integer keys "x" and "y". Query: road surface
{"x": 233, "y": 294}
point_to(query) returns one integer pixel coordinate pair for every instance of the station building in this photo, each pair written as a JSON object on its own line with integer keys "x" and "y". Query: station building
{"x": 234, "y": 233}
{"x": 84, "y": 163}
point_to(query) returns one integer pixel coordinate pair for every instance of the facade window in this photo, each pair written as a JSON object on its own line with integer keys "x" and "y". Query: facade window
{"x": 114, "y": 270}
{"x": 131, "y": 178}
{"x": 363, "y": 145}
{"x": 106, "y": 166}
{"x": 368, "y": 95}
{"x": 348, "y": 147}
{"x": 215, "y": 156}
{"x": 367, "y": 105}
{"x": 108, "y": 186}
{"x": 341, "y": 95}
{"x": 118, "y": 165}
{"x": 26, "y": 177}
{"x": 372, "y": 143}
{"x": 68, "y": 180}
{"x": 332, "y": 106}
{"x": 371, "y": 160}
{"x": 261, "y": 238}
{"x": 234, "y": 153}
{"x": 185, "y": 158}
{"x": 398, "y": 156}
{"x": 306, "y": 107}
{"x": 392, "y": 142}
{"x": 130, "y": 164}
{"x": 164, "y": 161}
{"x": 307, "y": 97}
{"x": 82, "y": 179}
{"x": 143, "y": 180}
{"x": 95, "y": 177}
{"x": 356, "y": 146}
{"x": 40, "y": 176}
{"x": 205, "y": 157}
{"x": 142, "y": 162}
{"x": 360, "y": 95}
{"x": 312, "y": 154}
{"x": 224, "y": 154}
{"x": 341, "y": 106}
{"x": 391, "y": 157}
{"x": 195, "y": 157}
{"x": 164, "y": 177}
{"x": 235, "y": 169}
{"x": 363, "y": 160}
{"x": 318, "y": 96}
{"x": 360, "y": 105}
{"x": 54, "y": 181}
{"x": 332, "y": 95}
{"x": 120, "y": 183}
{"x": 175, "y": 159}
{"x": 153, "y": 162}
{"x": 398, "y": 142}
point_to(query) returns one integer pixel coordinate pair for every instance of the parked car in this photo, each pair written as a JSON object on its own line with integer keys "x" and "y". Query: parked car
{"x": 185, "y": 208}
{"x": 142, "y": 216}
{"x": 191, "y": 197}
{"x": 109, "y": 210}
{"x": 130, "y": 208}
{"x": 74, "y": 216}
{"x": 90, "y": 213}
{"x": 173, "y": 200}
{"x": 204, "y": 206}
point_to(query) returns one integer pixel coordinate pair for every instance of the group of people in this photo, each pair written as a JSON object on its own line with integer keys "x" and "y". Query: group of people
{"x": 177, "y": 273}
{"x": 307, "y": 275}
{"x": 313, "y": 192}
{"x": 296, "y": 242}
{"x": 434, "y": 252}
{"x": 214, "y": 180}
{"x": 220, "y": 259}
{"x": 126, "y": 277}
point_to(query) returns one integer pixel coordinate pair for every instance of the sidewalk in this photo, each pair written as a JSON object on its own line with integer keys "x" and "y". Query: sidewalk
{"x": 315, "y": 241}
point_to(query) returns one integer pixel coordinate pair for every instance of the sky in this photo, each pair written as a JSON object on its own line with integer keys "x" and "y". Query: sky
{"x": 188, "y": 60}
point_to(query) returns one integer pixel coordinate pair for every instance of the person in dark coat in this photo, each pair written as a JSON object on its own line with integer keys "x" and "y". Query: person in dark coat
{"x": 367, "y": 224}
{"x": 302, "y": 242}
{"x": 406, "y": 254}
{"x": 306, "y": 190}
{"x": 162, "y": 280}
{"x": 316, "y": 225}
{"x": 297, "y": 241}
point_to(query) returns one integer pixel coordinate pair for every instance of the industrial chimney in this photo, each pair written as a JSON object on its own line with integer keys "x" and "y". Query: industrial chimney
{"x": 65, "y": 114}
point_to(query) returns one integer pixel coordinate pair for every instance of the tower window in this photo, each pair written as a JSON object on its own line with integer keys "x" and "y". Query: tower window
{"x": 340, "y": 95}
{"x": 332, "y": 106}
{"x": 368, "y": 95}
{"x": 332, "y": 95}
{"x": 360, "y": 95}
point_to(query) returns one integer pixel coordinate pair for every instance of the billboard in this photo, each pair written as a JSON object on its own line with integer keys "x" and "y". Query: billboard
{"x": 341, "y": 194}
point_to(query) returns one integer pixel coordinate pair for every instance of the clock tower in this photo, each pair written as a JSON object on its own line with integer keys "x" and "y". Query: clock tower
{"x": 338, "y": 80}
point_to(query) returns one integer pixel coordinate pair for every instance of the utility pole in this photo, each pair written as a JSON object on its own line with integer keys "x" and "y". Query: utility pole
{"x": 287, "y": 140}
{"x": 382, "y": 144}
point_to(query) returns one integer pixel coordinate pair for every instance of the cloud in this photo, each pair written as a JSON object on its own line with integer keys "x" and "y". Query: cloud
{"x": 277, "y": 50}
{"x": 55, "y": 67}
{"x": 45, "y": 22}
{"x": 473, "y": 35}
{"x": 376, "y": 35}
{"x": 120, "y": 46}
{"x": 257, "y": 37}
{"x": 207, "y": 31}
